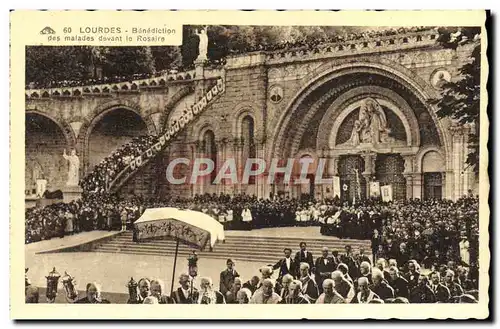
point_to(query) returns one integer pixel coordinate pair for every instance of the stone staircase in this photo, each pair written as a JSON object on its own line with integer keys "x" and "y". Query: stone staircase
{"x": 236, "y": 246}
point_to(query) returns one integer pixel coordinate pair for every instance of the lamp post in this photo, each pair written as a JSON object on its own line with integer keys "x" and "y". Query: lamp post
{"x": 132, "y": 290}
{"x": 69, "y": 285}
{"x": 193, "y": 271}
{"x": 52, "y": 283}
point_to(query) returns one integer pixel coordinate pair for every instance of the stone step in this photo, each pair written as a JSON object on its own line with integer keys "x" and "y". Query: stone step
{"x": 262, "y": 249}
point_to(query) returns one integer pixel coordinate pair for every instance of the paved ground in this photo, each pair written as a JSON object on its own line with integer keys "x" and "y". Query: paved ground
{"x": 113, "y": 271}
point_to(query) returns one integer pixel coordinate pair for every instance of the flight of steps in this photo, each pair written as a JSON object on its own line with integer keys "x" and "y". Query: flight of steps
{"x": 243, "y": 248}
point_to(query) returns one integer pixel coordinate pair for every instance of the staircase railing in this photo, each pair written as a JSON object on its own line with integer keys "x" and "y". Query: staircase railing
{"x": 162, "y": 142}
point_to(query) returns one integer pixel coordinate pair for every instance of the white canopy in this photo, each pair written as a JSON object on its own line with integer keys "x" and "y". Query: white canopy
{"x": 190, "y": 217}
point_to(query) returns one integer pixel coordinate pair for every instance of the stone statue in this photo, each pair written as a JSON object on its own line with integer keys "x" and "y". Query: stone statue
{"x": 74, "y": 168}
{"x": 203, "y": 45}
{"x": 371, "y": 126}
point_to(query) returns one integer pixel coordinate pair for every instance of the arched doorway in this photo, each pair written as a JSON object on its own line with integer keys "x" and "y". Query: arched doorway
{"x": 248, "y": 137}
{"x": 112, "y": 130}
{"x": 45, "y": 144}
{"x": 352, "y": 183}
{"x": 432, "y": 168}
{"x": 389, "y": 171}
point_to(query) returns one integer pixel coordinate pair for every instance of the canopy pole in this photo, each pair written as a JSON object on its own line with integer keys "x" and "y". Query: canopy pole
{"x": 173, "y": 271}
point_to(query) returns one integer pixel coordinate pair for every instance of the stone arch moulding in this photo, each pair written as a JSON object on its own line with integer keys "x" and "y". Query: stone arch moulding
{"x": 422, "y": 152}
{"x": 98, "y": 113}
{"x": 176, "y": 98}
{"x": 349, "y": 101}
{"x": 65, "y": 127}
{"x": 337, "y": 68}
{"x": 201, "y": 128}
{"x": 241, "y": 111}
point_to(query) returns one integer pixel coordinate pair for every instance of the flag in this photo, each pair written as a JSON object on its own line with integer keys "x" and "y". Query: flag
{"x": 336, "y": 186}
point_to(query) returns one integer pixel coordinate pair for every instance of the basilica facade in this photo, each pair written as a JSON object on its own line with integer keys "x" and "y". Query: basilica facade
{"x": 364, "y": 106}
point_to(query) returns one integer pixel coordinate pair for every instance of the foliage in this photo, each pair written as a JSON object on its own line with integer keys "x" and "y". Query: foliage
{"x": 460, "y": 99}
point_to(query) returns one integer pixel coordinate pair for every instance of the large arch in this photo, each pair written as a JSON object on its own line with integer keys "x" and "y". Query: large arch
{"x": 103, "y": 113}
{"x": 336, "y": 69}
{"x": 46, "y": 138}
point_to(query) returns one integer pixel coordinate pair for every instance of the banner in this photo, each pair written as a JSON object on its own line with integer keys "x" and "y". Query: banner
{"x": 374, "y": 189}
{"x": 336, "y": 186}
{"x": 386, "y": 193}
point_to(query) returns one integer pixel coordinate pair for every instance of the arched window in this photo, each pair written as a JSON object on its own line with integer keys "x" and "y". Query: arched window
{"x": 210, "y": 150}
{"x": 249, "y": 151}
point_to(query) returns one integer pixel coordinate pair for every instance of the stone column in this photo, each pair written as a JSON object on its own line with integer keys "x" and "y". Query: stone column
{"x": 238, "y": 153}
{"x": 221, "y": 158}
{"x": 199, "y": 80}
{"x": 198, "y": 151}
{"x": 458, "y": 159}
{"x": 408, "y": 174}
{"x": 369, "y": 159}
{"x": 417, "y": 185}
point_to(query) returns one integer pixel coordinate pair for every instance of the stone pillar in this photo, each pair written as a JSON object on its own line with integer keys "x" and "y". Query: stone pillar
{"x": 369, "y": 172}
{"x": 199, "y": 188}
{"x": 408, "y": 174}
{"x": 333, "y": 166}
{"x": 417, "y": 185}
{"x": 238, "y": 153}
{"x": 458, "y": 159}
{"x": 221, "y": 158}
{"x": 199, "y": 80}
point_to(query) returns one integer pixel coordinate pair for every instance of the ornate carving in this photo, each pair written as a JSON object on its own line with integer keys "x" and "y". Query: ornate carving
{"x": 371, "y": 126}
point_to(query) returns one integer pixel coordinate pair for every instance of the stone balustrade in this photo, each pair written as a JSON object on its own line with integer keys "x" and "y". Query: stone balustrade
{"x": 134, "y": 86}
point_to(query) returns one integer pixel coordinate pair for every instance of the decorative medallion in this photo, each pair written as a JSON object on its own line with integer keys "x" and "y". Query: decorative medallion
{"x": 276, "y": 94}
{"x": 439, "y": 78}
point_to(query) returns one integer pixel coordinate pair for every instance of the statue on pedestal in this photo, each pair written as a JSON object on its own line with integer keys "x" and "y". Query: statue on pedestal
{"x": 203, "y": 45}
{"x": 74, "y": 168}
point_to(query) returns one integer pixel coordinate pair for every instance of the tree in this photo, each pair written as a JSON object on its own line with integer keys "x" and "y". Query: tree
{"x": 46, "y": 65}
{"x": 460, "y": 99}
{"x": 127, "y": 61}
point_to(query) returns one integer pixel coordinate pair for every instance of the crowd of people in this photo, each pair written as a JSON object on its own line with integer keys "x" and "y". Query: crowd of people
{"x": 428, "y": 231}
{"x": 99, "y": 81}
{"x": 331, "y": 278}
{"x": 311, "y": 44}
{"x": 98, "y": 180}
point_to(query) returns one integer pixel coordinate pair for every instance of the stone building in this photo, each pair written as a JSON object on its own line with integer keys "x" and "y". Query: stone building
{"x": 362, "y": 105}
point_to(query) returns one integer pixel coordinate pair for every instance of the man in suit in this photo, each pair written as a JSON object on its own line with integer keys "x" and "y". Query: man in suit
{"x": 422, "y": 293}
{"x": 381, "y": 265}
{"x": 348, "y": 259}
{"x": 362, "y": 257}
{"x": 227, "y": 277}
{"x": 252, "y": 284}
{"x": 324, "y": 267}
{"x": 304, "y": 256}
{"x": 285, "y": 287}
{"x": 286, "y": 265}
{"x": 412, "y": 275}
{"x": 184, "y": 294}
{"x": 454, "y": 288}
{"x": 441, "y": 292}
{"x": 379, "y": 286}
{"x": 398, "y": 283}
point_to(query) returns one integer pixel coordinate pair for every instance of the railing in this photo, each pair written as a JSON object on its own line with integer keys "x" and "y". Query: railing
{"x": 106, "y": 89}
{"x": 162, "y": 141}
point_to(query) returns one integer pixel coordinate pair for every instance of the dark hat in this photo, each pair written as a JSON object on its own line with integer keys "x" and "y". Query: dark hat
{"x": 229, "y": 260}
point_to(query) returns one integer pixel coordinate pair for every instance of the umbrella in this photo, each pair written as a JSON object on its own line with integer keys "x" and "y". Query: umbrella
{"x": 193, "y": 228}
